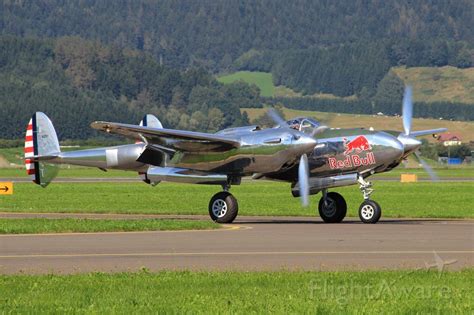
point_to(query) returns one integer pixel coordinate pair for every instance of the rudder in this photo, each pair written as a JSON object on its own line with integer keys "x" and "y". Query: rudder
{"x": 41, "y": 144}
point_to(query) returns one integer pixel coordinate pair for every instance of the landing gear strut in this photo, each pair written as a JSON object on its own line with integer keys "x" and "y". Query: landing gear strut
{"x": 332, "y": 207}
{"x": 369, "y": 210}
{"x": 223, "y": 207}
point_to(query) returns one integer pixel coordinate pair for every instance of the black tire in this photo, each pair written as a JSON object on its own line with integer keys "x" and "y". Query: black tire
{"x": 223, "y": 207}
{"x": 336, "y": 212}
{"x": 370, "y": 212}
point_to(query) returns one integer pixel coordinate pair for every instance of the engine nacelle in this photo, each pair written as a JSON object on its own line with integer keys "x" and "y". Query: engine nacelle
{"x": 156, "y": 174}
{"x": 316, "y": 184}
{"x": 124, "y": 157}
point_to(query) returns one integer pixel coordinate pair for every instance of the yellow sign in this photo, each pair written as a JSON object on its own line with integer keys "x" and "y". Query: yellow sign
{"x": 409, "y": 178}
{"x": 6, "y": 188}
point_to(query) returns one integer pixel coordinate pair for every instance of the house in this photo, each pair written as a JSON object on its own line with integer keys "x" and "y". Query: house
{"x": 449, "y": 138}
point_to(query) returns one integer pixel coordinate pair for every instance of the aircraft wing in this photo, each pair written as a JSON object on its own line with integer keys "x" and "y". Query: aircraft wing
{"x": 179, "y": 140}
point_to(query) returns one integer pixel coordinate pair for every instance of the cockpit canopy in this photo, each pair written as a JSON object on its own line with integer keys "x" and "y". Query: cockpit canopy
{"x": 303, "y": 124}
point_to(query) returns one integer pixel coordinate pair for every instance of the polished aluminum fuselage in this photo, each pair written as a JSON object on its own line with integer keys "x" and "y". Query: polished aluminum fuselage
{"x": 260, "y": 151}
{"x": 264, "y": 153}
{"x": 274, "y": 154}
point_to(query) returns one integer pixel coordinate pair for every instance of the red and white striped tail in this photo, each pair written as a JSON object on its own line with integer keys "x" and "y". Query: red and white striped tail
{"x": 41, "y": 141}
{"x": 30, "y": 151}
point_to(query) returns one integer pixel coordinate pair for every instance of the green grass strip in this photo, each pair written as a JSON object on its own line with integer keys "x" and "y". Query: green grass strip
{"x": 263, "y": 80}
{"x": 428, "y": 200}
{"x": 368, "y": 292}
{"x": 42, "y": 225}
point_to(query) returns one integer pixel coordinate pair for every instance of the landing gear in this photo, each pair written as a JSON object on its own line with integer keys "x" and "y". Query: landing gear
{"x": 332, "y": 207}
{"x": 369, "y": 210}
{"x": 223, "y": 207}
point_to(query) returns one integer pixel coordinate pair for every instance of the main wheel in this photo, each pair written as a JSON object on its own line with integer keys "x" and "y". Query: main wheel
{"x": 223, "y": 207}
{"x": 334, "y": 209}
{"x": 370, "y": 211}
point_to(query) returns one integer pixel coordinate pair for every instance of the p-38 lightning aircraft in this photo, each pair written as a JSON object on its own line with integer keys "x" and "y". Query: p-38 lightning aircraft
{"x": 312, "y": 157}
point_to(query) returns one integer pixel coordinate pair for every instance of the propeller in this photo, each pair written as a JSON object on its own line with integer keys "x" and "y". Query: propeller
{"x": 273, "y": 114}
{"x": 303, "y": 180}
{"x": 407, "y": 110}
{"x": 318, "y": 129}
{"x": 410, "y": 143}
{"x": 427, "y": 168}
{"x": 303, "y": 167}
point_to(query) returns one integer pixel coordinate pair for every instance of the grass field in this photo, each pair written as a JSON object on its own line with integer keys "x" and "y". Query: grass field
{"x": 41, "y": 225}
{"x": 439, "y": 84}
{"x": 264, "y": 80}
{"x": 430, "y": 84}
{"x": 261, "y": 79}
{"x": 465, "y": 129}
{"x": 369, "y": 292}
{"x": 444, "y": 200}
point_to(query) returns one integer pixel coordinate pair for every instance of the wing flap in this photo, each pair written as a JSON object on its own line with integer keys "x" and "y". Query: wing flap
{"x": 176, "y": 139}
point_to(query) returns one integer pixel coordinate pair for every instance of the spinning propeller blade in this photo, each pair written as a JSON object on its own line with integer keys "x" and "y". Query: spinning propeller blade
{"x": 303, "y": 179}
{"x": 273, "y": 114}
{"x": 408, "y": 138}
{"x": 318, "y": 130}
{"x": 427, "y": 168}
{"x": 407, "y": 110}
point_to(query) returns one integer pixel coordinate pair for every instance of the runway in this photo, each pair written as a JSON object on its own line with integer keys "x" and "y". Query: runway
{"x": 253, "y": 243}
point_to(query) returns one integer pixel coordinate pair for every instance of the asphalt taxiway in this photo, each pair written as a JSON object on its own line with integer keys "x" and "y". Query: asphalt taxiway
{"x": 252, "y": 243}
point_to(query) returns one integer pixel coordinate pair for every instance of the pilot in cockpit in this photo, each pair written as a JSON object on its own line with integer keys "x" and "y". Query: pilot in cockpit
{"x": 305, "y": 125}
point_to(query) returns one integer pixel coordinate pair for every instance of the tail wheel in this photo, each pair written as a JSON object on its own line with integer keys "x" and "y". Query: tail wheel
{"x": 333, "y": 209}
{"x": 370, "y": 211}
{"x": 223, "y": 207}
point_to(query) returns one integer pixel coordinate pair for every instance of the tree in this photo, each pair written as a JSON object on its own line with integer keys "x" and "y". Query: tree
{"x": 198, "y": 121}
{"x": 465, "y": 58}
{"x": 215, "y": 118}
{"x": 389, "y": 93}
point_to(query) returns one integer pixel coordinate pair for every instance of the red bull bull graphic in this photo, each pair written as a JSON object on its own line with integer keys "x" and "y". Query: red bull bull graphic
{"x": 357, "y": 146}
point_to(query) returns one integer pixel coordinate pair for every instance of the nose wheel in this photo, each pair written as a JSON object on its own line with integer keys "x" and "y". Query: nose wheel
{"x": 369, "y": 210}
{"x": 223, "y": 207}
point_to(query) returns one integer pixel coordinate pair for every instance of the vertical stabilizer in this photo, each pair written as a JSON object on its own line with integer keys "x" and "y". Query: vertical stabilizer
{"x": 151, "y": 121}
{"x": 41, "y": 144}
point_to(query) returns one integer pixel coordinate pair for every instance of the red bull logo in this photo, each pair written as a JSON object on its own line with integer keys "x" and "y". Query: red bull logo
{"x": 357, "y": 145}
{"x": 352, "y": 160}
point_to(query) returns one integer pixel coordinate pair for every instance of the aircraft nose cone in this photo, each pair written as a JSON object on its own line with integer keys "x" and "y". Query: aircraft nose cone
{"x": 409, "y": 144}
